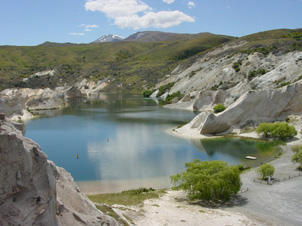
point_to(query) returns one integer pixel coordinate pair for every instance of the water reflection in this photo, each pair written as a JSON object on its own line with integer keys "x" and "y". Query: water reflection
{"x": 139, "y": 147}
{"x": 137, "y": 151}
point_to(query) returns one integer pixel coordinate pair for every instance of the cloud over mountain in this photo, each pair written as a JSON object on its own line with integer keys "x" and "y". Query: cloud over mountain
{"x": 137, "y": 14}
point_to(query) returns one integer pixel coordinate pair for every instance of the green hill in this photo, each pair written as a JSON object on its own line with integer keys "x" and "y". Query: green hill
{"x": 131, "y": 65}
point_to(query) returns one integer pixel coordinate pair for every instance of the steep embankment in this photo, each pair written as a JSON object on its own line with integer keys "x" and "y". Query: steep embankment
{"x": 33, "y": 191}
{"x": 261, "y": 63}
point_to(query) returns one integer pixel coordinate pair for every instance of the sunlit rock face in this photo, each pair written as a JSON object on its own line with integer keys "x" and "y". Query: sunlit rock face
{"x": 251, "y": 109}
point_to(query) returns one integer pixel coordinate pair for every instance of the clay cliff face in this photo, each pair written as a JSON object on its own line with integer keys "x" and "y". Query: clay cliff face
{"x": 17, "y": 104}
{"x": 254, "y": 87}
{"x": 33, "y": 191}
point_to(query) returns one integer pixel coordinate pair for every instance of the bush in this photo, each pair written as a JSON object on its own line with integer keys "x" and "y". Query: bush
{"x": 297, "y": 157}
{"x": 165, "y": 88}
{"x": 170, "y": 98}
{"x": 208, "y": 180}
{"x": 236, "y": 65}
{"x": 266, "y": 170}
{"x": 279, "y": 130}
{"x": 253, "y": 74}
{"x": 219, "y": 108}
{"x": 147, "y": 93}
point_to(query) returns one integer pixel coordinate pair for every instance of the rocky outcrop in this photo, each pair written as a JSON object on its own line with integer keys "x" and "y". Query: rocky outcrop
{"x": 33, "y": 191}
{"x": 212, "y": 78}
{"x": 250, "y": 109}
{"x": 18, "y": 104}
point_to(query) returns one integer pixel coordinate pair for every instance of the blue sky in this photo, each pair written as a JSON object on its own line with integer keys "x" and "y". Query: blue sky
{"x": 32, "y": 22}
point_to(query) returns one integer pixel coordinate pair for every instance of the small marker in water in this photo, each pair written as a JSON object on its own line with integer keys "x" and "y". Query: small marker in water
{"x": 107, "y": 139}
{"x": 77, "y": 156}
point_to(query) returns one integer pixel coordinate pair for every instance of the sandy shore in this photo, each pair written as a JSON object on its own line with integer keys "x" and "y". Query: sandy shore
{"x": 277, "y": 204}
{"x": 114, "y": 186}
{"x": 174, "y": 209}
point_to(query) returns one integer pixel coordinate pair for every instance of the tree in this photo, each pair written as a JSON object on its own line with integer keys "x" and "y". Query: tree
{"x": 279, "y": 130}
{"x": 266, "y": 170}
{"x": 208, "y": 180}
{"x": 219, "y": 108}
{"x": 297, "y": 157}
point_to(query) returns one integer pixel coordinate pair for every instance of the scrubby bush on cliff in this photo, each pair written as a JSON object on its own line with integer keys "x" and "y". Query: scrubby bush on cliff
{"x": 280, "y": 130}
{"x": 297, "y": 157}
{"x": 266, "y": 170}
{"x": 165, "y": 88}
{"x": 208, "y": 180}
{"x": 171, "y": 97}
{"x": 236, "y": 65}
{"x": 219, "y": 108}
{"x": 147, "y": 93}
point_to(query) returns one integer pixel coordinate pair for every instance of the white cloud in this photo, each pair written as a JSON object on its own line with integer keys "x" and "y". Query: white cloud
{"x": 91, "y": 26}
{"x": 168, "y": 1}
{"x": 117, "y": 8}
{"x": 163, "y": 19}
{"x": 87, "y": 29}
{"x": 72, "y": 33}
{"x": 191, "y": 5}
{"x": 137, "y": 14}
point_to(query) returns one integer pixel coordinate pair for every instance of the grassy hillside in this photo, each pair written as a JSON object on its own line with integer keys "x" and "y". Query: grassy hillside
{"x": 130, "y": 65}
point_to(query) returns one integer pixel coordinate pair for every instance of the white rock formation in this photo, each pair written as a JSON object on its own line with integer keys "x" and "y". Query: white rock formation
{"x": 33, "y": 191}
{"x": 17, "y": 104}
{"x": 250, "y": 109}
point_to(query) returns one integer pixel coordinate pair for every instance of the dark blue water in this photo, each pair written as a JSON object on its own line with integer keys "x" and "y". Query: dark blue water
{"x": 124, "y": 137}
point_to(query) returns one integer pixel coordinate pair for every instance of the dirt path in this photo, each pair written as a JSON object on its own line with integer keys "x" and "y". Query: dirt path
{"x": 280, "y": 203}
{"x": 173, "y": 209}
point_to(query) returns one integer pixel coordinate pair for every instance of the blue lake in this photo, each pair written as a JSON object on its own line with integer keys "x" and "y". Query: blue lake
{"x": 120, "y": 137}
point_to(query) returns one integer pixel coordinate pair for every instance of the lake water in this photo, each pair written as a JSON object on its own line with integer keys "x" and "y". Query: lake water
{"x": 125, "y": 139}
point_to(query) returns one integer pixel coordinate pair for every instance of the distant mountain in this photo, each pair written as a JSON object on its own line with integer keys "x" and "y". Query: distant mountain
{"x": 55, "y": 44}
{"x": 109, "y": 38}
{"x": 157, "y": 36}
{"x": 150, "y": 36}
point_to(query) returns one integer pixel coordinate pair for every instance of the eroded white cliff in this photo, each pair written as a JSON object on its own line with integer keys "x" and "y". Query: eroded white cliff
{"x": 33, "y": 191}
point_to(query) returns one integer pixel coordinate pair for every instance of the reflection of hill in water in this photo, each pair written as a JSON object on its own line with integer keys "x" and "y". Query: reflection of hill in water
{"x": 238, "y": 148}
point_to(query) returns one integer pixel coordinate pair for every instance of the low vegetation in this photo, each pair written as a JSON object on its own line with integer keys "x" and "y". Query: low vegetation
{"x": 127, "y": 198}
{"x": 132, "y": 64}
{"x": 297, "y": 157}
{"x": 279, "y": 130}
{"x": 171, "y": 97}
{"x": 208, "y": 180}
{"x": 253, "y": 74}
{"x": 165, "y": 88}
{"x": 266, "y": 170}
{"x": 219, "y": 108}
{"x": 236, "y": 65}
{"x": 147, "y": 93}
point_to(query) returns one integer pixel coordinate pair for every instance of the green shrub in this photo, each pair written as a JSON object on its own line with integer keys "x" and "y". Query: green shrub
{"x": 236, "y": 65}
{"x": 169, "y": 98}
{"x": 219, "y": 108}
{"x": 208, "y": 180}
{"x": 253, "y": 74}
{"x": 283, "y": 84}
{"x": 279, "y": 130}
{"x": 215, "y": 87}
{"x": 165, "y": 88}
{"x": 266, "y": 170}
{"x": 147, "y": 93}
{"x": 297, "y": 157}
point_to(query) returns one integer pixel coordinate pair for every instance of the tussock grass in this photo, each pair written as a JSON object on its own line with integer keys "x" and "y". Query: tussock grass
{"x": 127, "y": 198}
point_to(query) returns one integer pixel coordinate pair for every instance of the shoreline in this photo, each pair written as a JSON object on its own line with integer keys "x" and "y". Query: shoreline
{"x": 117, "y": 186}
